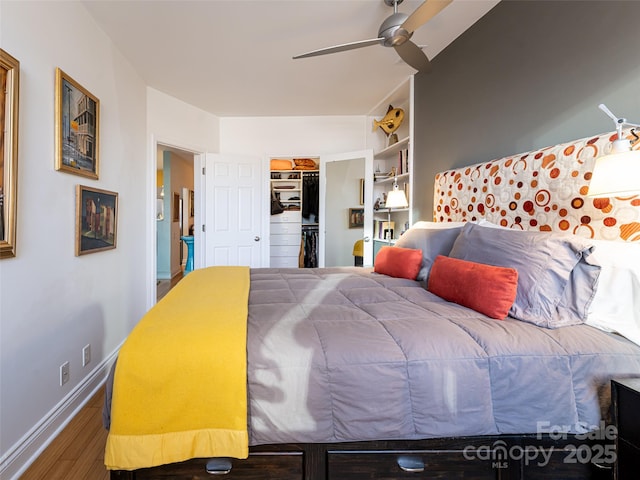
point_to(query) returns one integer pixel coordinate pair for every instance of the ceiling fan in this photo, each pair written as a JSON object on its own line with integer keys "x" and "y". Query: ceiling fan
{"x": 396, "y": 32}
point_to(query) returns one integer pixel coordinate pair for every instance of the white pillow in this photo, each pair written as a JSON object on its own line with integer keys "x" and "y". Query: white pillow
{"x": 616, "y": 304}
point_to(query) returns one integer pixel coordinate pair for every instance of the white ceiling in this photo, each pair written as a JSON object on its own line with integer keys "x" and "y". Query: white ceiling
{"x": 233, "y": 57}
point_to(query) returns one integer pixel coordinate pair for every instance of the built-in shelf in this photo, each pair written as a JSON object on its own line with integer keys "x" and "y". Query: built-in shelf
{"x": 391, "y": 178}
{"x": 393, "y": 149}
{"x": 393, "y": 158}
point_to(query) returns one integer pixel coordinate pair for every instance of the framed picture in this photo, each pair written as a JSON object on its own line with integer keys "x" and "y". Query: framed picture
{"x": 356, "y": 217}
{"x": 9, "y": 94}
{"x": 191, "y": 203}
{"x": 175, "y": 209}
{"x": 77, "y": 128}
{"x": 362, "y": 191}
{"x": 96, "y": 220}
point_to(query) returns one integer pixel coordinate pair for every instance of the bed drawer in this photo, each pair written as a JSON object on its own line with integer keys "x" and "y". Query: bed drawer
{"x": 259, "y": 466}
{"x": 419, "y": 464}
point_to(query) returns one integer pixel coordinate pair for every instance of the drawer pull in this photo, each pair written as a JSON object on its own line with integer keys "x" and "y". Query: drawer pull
{"x": 219, "y": 466}
{"x": 411, "y": 464}
{"x": 601, "y": 466}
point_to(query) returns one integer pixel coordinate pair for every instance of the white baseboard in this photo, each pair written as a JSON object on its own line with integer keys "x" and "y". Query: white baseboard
{"x": 21, "y": 455}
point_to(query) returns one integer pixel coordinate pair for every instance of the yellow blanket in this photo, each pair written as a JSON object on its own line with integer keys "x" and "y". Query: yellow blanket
{"x": 180, "y": 380}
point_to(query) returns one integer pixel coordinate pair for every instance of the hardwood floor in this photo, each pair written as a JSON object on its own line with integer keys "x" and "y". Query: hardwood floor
{"x": 163, "y": 286}
{"x": 78, "y": 452}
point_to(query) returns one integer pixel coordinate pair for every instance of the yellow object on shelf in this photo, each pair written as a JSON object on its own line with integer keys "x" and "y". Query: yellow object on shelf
{"x": 280, "y": 164}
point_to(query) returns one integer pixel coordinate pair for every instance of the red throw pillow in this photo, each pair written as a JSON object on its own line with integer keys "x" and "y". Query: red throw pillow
{"x": 398, "y": 262}
{"x": 484, "y": 288}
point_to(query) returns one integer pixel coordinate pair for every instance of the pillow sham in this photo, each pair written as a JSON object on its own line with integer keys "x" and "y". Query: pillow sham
{"x": 433, "y": 239}
{"x": 556, "y": 278}
{"x": 398, "y": 262}
{"x": 616, "y": 304}
{"x": 487, "y": 289}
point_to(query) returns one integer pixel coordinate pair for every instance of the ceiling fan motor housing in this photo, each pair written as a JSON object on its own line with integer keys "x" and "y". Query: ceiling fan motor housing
{"x": 391, "y": 32}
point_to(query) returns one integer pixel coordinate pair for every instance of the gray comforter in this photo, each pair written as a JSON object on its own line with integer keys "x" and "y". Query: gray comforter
{"x": 346, "y": 354}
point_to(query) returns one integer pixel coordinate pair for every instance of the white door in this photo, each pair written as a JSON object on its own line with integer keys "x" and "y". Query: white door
{"x": 233, "y": 210}
{"x": 338, "y": 193}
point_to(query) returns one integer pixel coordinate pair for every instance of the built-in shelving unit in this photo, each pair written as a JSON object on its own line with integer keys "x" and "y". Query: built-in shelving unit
{"x": 286, "y": 227}
{"x": 392, "y": 163}
{"x": 291, "y": 232}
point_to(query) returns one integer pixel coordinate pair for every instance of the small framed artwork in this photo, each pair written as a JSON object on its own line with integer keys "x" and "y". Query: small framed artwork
{"x": 356, "y": 217}
{"x": 362, "y": 191}
{"x": 96, "y": 220}
{"x": 77, "y": 128}
{"x": 191, "y": 203}
{"x": 175, "y": 209}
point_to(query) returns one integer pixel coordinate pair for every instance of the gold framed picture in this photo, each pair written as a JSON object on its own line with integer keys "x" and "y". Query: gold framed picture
{"x": 9, "y": 94}
{"x": 77, "y": 128}
{"x": 96, "y": 220}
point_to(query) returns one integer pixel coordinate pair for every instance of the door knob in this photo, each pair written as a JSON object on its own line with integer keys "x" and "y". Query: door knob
{"x": 256, "y": 238}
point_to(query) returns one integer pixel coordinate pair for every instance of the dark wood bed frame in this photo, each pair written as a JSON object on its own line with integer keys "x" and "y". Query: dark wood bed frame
{"x": 502, "y": 457}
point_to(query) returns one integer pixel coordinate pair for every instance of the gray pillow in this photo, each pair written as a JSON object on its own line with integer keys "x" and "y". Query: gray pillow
{"x": 556, "y": 279}
{"x": 433, "y": 239}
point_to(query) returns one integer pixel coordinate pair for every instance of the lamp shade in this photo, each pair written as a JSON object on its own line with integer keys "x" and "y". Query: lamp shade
{"x": 615, "y": 175}
{"x": 396, "y": 199}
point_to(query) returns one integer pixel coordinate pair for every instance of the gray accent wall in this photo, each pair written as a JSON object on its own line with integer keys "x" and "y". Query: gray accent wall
{"x": 529, "y": 74}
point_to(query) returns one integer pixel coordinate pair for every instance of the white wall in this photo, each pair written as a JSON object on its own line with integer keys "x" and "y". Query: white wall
{"x": 302, "y": 136}
{"x": 176, "y": 123}
{"x": 52, "y": 303}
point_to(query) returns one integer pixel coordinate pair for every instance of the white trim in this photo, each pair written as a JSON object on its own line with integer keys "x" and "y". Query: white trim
{"x": 21, "y": 455}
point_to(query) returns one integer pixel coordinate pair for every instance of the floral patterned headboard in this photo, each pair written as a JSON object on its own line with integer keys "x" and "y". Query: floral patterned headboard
{"x": 540, "y": 190}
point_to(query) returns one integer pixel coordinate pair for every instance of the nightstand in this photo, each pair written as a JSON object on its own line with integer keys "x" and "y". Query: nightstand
{"x": 625, "y": 397}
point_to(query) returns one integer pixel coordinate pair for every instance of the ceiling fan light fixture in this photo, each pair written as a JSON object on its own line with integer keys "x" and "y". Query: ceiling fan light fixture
{"x": 396, "y": 31}
{"x": 392, "y": 32}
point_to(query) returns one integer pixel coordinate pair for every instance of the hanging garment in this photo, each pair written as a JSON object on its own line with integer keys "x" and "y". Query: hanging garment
{"x": 310, "y": 196}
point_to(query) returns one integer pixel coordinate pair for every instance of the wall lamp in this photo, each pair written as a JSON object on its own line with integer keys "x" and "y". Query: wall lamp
{"x": 617, "y": 173}
{"x": 395, "y": 199}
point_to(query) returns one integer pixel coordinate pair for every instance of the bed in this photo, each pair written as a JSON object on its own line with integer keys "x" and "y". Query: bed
{"x": 457, "y": 356}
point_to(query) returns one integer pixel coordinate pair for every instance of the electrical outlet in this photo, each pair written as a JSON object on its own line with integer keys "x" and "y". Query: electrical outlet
{"x": 86, "y": 355}
{"x": 64, "y": 373}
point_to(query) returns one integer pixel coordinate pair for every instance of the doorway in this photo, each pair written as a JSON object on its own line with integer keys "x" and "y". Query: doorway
{"x": 175, "y": 209}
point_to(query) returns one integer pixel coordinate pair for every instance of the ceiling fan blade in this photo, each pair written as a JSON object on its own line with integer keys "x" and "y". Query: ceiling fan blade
{"x": 414, "y": 56}
{"x": 341, "y": 48}
{"x": 422, "y": 14}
